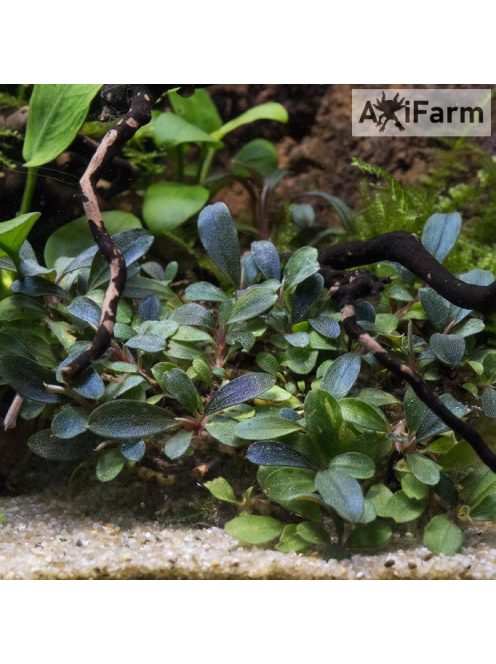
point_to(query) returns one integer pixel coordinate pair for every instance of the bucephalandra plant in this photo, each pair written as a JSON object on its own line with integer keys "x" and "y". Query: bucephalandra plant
{"x": 264, "y": 368}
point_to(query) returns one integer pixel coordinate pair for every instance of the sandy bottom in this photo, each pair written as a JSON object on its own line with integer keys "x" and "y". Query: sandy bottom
{"x": 104, "y": 534}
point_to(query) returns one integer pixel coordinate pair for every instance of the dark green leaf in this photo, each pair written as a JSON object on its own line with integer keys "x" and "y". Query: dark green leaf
{"x": 364, "y": 415}
{"x": 28, "y": 378}
{"x": 125, "y": 418}
{"x": 133, "y": 450}
{"x": 272, "y": 453}
{"x": 370, "y": 536}
{"x": 323, "y": 419}
{"x": 180, "y": 386}
{"x": 239, "y": 390}
{"x": 341, "y": 375}
{"x": 306, "y": 293}
{"x": 109, "y": 465}
{"x": 355, "y": 464}
{"x": 259, "y": 156}
{"x": 69, "y": 422}
{"x": 252, "y": 303}
{"x": 449, "y": 348}
{"x": 219, "y": 236}
{"x": 46, "y": 445}
{"x": 265, "y": 426}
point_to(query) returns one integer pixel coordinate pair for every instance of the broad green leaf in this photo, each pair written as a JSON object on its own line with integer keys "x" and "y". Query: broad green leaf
{"x": 355, "y": 464}
{"x": 442, "y": 536}
{"x": 449, "y": 348}
{"x": 147, "y": 343}
{"x": 300, "y": 360}
{"x": 239, "y": 390}
{"x": 265, "y": 426}
{"x": 252, "y": 303}
{"x": 312, "y": 533}
{"x": 413, "y": 487}
{"x": 56, "y": 113}
{"x": 480, "y": 483}
{"x": 109, "y": 465}
{"x": 14, "y": 232}
{"x": 364, "y": 415}
{"x": 257, "y": 156}
{"x": 203, "y": 290}
{"x": 402, "y": 509}
{"x": 69, "y": 422}
{"x": 180, "y": 386}
{"x": 285, "y": 484}
{"x": 440, "y": 234}
{"x": 268, "y": 111}
{"x": 376, "y": 397}
{"x": 273, "y": 453}
{"x": 341, "y": 492}
{"x": 219, "y": 237}
{"x": 167, "y": 205}
{"x": 425, "y": 470}
{"x": 223, "y": 429}
{"x": 222, "y": 490}
{"x": 46, "y": 445}
{"x": 169, "y": 130}
{"x": 28, "y": 378}
{"x": 253, "y": 529}
{"x": 268, "y": 363}
{"x": 198, "y": 109}
{"x": 125, "y": 418}
{"x": 301, "y": 265}
{"x": 422, "y": 421}
{"x": 298, "y": 339}
{"x": 75, "y": 237}
{"x": 178, "y": 444}
{"x": 341, "y": 375}
{"x": 323, "y": 420}
{"x": 266, "y": 259}
{"x": 485, "y": 510}
{"x": 378, "y": 495}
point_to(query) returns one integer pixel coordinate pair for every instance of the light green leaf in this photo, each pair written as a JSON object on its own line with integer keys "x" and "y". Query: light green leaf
{"x": 109, "y": 465}
{"x": 301, "y": 265}
{"x": 169, "y": 130}
{"x": 178, "y": 444}
{"x": 268, "y": 111}
{"x": 425, "y": 470}
{"x": 402, "y": 509}
{"x": 442, "y": 536}
{"x": 124, "y": 418}
{"x": 222, "y": 490}
{"x": 252, "y": 303}
{"x": 265, "y": 426}
{"x": 253, "y": 529}
{"x": 323, "y": 419}
{"x": 56, "y": 112}
{"x": 167, "y": 205}
{"x": 14, "y": 232}
{"x": 364, "y": 415}
{"x": 355, "y": 464}
{"x": 198, "y": 109}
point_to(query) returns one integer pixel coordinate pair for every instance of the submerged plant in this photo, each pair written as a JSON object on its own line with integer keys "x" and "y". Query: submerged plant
{"x": 269, "y": 369}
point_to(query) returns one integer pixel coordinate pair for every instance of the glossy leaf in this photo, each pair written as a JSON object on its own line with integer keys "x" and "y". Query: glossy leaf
{"x": 124, "y": 418}
{"x": 355, "y": 464}
{"x": 252, "y": 303}
{"x": 203, "y": 290}
{"x": 326, "y": 326}
{"x": 267, "y": 111}
{"x": 169, "y": 130}
{"x": 28, "y": 378}
{"x": 109, "y": 465}
{"x": 341, "y": 375}
{"x": 306, "y": 294}
{"x": 46, "y": 445}
{"x": 323, "y": 420}
{"x": 219, "y": 237}
{"x": 133, "y": 450}
{"x": 239, "y": 390}
{"x": 440, "y": 234}
{"x": 425, "y": 470}
{"x": 222, "y": 490}
{"x": 272, "y": 453}
{"x": 180, "y": 386}
{"x": 449, "y": 348}
{"x": 364, "y": 415}
{"x": 301, "y": 265}
{"x": 266, "y": 259}
{"x": 69, "y": 422}
{"x": 265, "y": 426}
{"x": 14, "y": 232}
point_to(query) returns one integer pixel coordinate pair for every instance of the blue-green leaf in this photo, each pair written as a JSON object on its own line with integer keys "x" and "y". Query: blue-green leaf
{"x": 133, "y": 450}
{"x": 266, "y": 259}
{"x": 449, "y": 348}
{"x": 273, "y": 453}
{"x": 239, "y": 390}
{"x": 341, "y": 492}
{"x": 124, "y": 418}
{"x": 219, "y": 236}
{"x": 69, "y": 422}
{"x": 341, "y": 375}
{"x": 440, "y": 234}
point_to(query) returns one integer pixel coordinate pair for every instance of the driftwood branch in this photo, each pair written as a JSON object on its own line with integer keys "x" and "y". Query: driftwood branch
{"x": 140, "y": 101}
{"x": 346, "y": 288}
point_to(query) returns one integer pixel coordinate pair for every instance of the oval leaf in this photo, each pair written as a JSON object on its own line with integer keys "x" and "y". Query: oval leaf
{"x": 219, "y": 236}
{"x": 254, "y": 302}
{"x": 253, "y": 529}
{"x": 272, "y": 453}
{"x": 341, "y": 492}
{"x": 239, "y": 390}
{"x": 442, "y": 536}
{"x": 425, "y": 470}
{"x": 125, "y": 418}
{"x": 440, "y": 234}
{"x": 28, "y": 378}
{"x": 449, "y": 348}
{"x": 341, "y": 375}
{"x": 267, "y": 259}
{"x": 167, "y": 205}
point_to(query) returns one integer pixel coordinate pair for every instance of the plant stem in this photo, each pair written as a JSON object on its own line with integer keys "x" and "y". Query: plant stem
{"x": 205, "y": 167}
{"x": 29, "y": 188}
